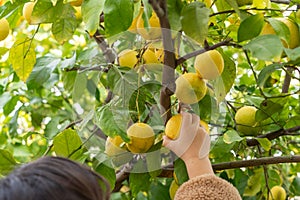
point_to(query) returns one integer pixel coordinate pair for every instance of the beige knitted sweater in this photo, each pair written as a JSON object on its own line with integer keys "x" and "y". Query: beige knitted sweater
{"x": 207, "y": 187}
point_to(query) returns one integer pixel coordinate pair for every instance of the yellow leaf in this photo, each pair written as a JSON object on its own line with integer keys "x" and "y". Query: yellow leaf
{"x": 22, "y": 57}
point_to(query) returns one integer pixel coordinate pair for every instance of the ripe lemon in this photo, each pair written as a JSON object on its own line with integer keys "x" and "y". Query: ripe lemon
{"x": 76, "y": 3}
{"x": 173, "y": 189}
{"x": 173, "y": 126}
{"x": 116, "y": 149}
{"x": 141, "y": 137}
{"x": 190, "y": 88}
{"x": 245, "y": 120}
{"x": 127, "y": 58}
{"x": 153, "y": 31}
{"x": 4, "y": 29}
{"x": 27, "y": 11}
{"x": 209, "y": 65}
{"x": 278, "y": 193}
{"x": 133, "y": 26}
{"x": 294, "y": 32}
{"x": 113, "y": 146}
{"x": 149, "y": 57}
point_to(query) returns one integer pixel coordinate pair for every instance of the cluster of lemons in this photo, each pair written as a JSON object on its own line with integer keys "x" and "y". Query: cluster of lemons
{"x": 26, "y": 14}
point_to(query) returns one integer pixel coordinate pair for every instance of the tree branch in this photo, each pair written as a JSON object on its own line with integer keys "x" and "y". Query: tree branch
{"x": 168, "y": 79}
{"x": 273, "y": 135}
{"x": 256, "y": 162}
{"x": 195, "y": 53}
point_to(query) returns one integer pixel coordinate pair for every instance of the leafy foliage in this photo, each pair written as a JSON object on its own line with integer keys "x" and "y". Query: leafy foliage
{"x": 63, "y": 92}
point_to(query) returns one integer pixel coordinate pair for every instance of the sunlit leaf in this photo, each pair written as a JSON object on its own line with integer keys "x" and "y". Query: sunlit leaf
{"x": 194, "y": 21}
{"x": 265, "y": 143}
{"x": 114, "y": 10}
{"x": 7, "y": 162}
{"x": 232, "y": 136}
{"x": 91, "y": 11}
{"x": 42, "y": 71}
{"x": 22, "y": 56}
{"x": 64, "y": 27}
{"x": 66, "y": 143}
{"x": 45, "y": 12}
{"x": 223, "y": 83}
{"x": 265, "y": 47}
{"x": 254, "y": 23}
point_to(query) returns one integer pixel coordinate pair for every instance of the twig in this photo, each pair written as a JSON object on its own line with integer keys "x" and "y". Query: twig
{"x": 273, "y": 135}
{"x": 195, "y": 53}
{"x": 256, "y": 162}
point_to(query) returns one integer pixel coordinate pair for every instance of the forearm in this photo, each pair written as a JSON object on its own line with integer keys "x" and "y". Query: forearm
{"x": 196, "y": 167}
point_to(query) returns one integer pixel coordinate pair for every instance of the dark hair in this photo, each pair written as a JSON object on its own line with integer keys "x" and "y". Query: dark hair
{"x": 54, "y": 178}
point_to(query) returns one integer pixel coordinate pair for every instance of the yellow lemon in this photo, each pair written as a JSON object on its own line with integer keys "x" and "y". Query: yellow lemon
{"x": 173, "y": 189}
{"x": 133, "y": 26}
{"x": 149, "y": 57}
{"x": 4, "y": 29}
{"x": 127, "y": 58}
{"x": 209, "y": 65}
{"x": 114, "y": 146}
{"x": 153, "y": 31}
{"x": 190, "y": 88}
{"x": 173, "y": 125}
{"x": 141, "y": 137}
{"x": 76, "y": 3}
{"x": 294, "y": 32}
{"x": 277, "y": 193}
{"x": 245, "y": 120}
{"x": 27, "y": 11}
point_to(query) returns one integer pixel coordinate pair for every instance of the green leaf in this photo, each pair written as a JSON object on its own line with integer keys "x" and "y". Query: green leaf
{"x": 292, "y": 122}
{"x": 280, "y": 28}
{"x": 234, "y": 5}
{"x": 108, "y": 173}
{"x": 265, "y": 47}
{"x": 294, "y": 187}
{"x": 174, "y": 10}
{"x": 267, "y": 109}
{"x": 223, "y": 83}
{"x": 114, "y": 10}
{"x": 159, "y": 191}
{"x": 180, "y": 171}
{"x": 45, "y": 12}
{"x": 253, "y": 23}
{"x": 42, "y": 71}
{"x": 64, "y": 27}
{"x": 106, "y": 120}
{"x": 232, "y": 136}
{"x": 139, "y": 182}
{"x": 221, "y": 150}
{"x": 293, "y": 54}
{"x": 7, "y": 162}
{"x": 122, "y": 82}
{"x": 265, "y": 143}
{"x": 10, "y": 105}
{"x": 254, "y": 183}
{"x": 194, "y": 20}
{"x": 22, "y": 57}
{"x": 91, "y": 10}
{"x": 66, "y": 143}
{"x": 266, "y": 72}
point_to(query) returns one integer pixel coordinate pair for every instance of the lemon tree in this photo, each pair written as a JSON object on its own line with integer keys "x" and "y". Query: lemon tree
{"x": 100, "y": 82}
